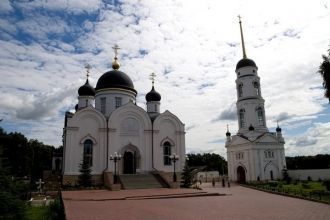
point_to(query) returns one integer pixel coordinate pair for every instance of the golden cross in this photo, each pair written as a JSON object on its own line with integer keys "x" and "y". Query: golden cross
{"x": 227, "y": 127}
{"x": 152, "y": 78}
{"x": 239, "y": 18}
{"x": 116, "y": 48}
{"x": 87, "y": 67}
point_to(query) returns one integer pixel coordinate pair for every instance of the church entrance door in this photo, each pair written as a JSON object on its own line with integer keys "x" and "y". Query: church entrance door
{"x": 129, "y": 162}
{"x": 241, "y": 174}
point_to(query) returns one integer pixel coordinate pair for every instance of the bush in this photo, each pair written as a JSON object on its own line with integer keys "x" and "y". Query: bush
{"x": 326, "y": 183}
{"x": 305, "y": 186}
{"x": 56, "y": 210}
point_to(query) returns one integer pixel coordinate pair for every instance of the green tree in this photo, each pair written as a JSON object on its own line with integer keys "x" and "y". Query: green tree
{"x": 85, "y": 177}
{"x": 186, "y": 176}
{"x": 13, "y": 192}
{"x": 210, "y": 161}
{"x": 324, "y": 70}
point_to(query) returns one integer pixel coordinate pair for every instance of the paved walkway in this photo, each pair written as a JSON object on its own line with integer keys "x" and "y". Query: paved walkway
{"x": 238, "y": 203}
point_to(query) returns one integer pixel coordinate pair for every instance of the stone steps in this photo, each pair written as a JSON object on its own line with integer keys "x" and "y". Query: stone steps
{"x": 139, "y": 181}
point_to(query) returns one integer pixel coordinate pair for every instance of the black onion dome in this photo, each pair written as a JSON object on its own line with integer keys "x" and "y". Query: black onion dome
{"x": 228, "y": 133}
{"x": 278, "y": 129}
{"x": 86, "y": 90}
{"x": 153, "y": 95}
{"x": 245, "y": 62}
{"x": 115, "y": 79}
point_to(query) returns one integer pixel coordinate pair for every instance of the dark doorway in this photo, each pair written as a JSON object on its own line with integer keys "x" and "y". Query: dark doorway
{"x": 57, "y": 164}
{"x": 241, "y": 174}
{"x": 271, "y": 175}
{"x": 129, "y": 162}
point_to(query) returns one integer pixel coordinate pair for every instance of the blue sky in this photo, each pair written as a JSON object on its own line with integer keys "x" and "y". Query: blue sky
{"x": 192, "y": 46}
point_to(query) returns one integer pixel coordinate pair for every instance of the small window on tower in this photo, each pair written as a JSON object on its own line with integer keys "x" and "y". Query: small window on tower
{"x": 118, "y": 101}
{"x": 155, "y": 108}
{"x": 242, "y": 118}
{"x": 256, "y": 87}
{"x": 260, "y": 115}
{"x": 240, "y": 90}
{"x": 103, "y": 104}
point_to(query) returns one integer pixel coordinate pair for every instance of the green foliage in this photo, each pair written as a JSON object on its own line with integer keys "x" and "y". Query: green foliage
{"x": 23, "y": 157}
{"x": 305, "y": 186}
{"x": 286, "y": 176}
{"x": 320, "y": 161}
{"x": 186, "y": 176}
{"x": 326, "y": 183}
{"x": 85, "y": 177}
{"x": 57, "y": 210}
{"x": 324, "y": 70}
{"x": 210, "y": 161}
{"x": 12, "y": 195}
{"x": 37, "y": 213}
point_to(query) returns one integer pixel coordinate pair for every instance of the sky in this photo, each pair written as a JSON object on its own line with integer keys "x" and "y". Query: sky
{"x": 192, "y": 46}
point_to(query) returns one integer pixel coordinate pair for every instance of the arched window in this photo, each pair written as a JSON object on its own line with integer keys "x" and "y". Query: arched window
{"x": 260, "y": 116}
{"x": 88, "y": 151}
{"x": 240, "y": 90}
{"x": 167, "y": 153}
{"x": 242, "y": 118}
{"x": 257, "y": 88}
{"x": 271, "y": 175}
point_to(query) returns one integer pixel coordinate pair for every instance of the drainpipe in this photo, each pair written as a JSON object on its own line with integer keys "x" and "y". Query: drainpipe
{"x": 152, "y": 145}
{"x": 107, "y": 143}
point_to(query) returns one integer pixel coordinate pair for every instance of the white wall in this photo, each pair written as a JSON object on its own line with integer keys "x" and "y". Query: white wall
{"x": 314, "y": 174}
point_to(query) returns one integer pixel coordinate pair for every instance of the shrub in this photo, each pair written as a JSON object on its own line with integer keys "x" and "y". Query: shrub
{"x": 305, "y": 186}
{"x": 326, "y": 183}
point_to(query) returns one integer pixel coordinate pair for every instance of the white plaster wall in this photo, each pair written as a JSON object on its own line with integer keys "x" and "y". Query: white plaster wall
{"x": 120, "y": 139}
{"x": 110, "y": 96}
{"x": 314, "y": 174}
{"x": 85, "y": 124}
{"x": 82, "y": 101}
{"x": 168, "y": 127}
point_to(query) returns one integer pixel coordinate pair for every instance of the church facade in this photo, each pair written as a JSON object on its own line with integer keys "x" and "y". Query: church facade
{"x": 108, "y": 122}
{"x": 254, "y": 153}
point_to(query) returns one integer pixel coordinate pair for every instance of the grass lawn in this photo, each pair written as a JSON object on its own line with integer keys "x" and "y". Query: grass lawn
{"x": 37, "y": 213}
{"x": 308, "y": 186}
{"x": 308, "y": 189}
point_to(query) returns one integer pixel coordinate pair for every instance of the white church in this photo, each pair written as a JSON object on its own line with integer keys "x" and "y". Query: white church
{"x": 254, "y": 153}
{"x": 108, "y": 122}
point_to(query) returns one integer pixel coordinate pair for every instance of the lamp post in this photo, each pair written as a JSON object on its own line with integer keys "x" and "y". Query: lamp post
{"x": 174, "y": 158}
{"x": 116, "y": 157}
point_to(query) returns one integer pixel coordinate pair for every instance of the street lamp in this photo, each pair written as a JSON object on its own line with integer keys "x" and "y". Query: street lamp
{"x": 174, "y": 158}
{"x": 116, "y": 157}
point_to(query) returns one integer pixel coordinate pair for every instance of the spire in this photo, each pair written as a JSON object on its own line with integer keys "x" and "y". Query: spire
{"x": 228, "y": 133}
{"x": 87, "y": 67}
{"x": 152, "y": 78}
{"x": 115, "y": 63}
{"x": 242, "y": 37}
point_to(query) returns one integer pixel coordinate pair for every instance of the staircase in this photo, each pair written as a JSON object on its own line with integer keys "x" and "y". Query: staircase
{"x": 139, "y": 181}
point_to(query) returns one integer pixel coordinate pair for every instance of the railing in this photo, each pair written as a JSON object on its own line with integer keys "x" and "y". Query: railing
{"x": 314, "y": 195}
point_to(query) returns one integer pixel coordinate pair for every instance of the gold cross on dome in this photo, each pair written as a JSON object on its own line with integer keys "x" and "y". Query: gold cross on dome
{"x": 88, "y": 67}
{"x": 116, "y": 48}
{"x": 152, "y": 78}
{"x": 239, "y": 18}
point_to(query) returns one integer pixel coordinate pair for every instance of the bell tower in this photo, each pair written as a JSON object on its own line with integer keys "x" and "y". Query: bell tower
{"x": 250, "y": 104}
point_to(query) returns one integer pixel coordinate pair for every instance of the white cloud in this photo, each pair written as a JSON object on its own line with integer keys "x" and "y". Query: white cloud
{"x": 5, "y": 6}
{"x": 196, "y": 44}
